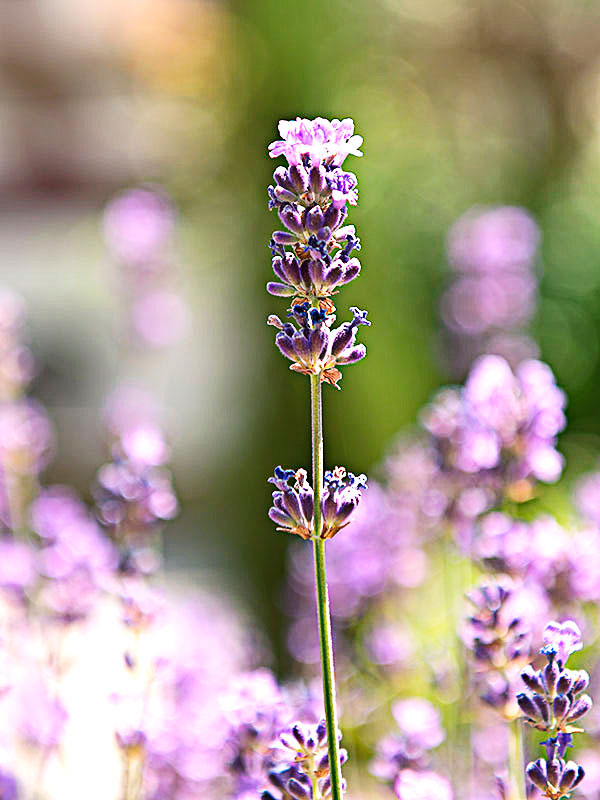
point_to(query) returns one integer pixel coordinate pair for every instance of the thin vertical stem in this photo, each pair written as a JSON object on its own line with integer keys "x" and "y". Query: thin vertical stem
{"x": 516, "y": 766}
{"x": 325, "y": 639}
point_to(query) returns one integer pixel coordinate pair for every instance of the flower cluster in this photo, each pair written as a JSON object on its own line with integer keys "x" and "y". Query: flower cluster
{"x": 313, "y": 258}
{"x": 501, "y": 427}
{"x": 492, "y": 296}
{"x": 302, "y": 772}
{"x": 552, "y": 703}
{"x": 293, "y": 506}
{"x": 315, "y": 348}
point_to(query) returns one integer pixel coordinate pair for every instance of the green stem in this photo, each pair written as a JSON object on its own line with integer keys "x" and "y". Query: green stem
{"x": 516, "y": 766}
{"x": 322, "y": 594}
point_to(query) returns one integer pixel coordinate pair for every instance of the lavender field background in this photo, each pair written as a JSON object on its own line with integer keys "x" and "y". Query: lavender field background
{"x": 134, "y": 353}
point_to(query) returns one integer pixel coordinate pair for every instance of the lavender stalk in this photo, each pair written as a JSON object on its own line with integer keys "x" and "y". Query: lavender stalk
{"x": 312, "y": 260}
{"x": 323, "y": 613}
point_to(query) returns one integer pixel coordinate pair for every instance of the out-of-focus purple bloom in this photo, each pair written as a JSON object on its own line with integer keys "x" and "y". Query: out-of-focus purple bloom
{"x": 419, "y": 731}
{"x": 493, "y": 294}
{"x": 160, "y": 317}
{"x": 17, "y": 365}
{"x": 321, "y": 140}
{"x": 500, "y": 645}
{"x": 77, "y": 561}
{"x": 9, "y": 789}
{"x": 26, "y": 437}
{"x": 315, "y": 348}
{"x": 389, "y": 645}
{"x": 419, "y": 723}
{"x": 412, "y": 785}
{"x": 128, "y": 408}
{"x": 145, "y": 445}
{"x": 42, "y": 717}
{"x": 142, "y": 604}
{"x": 257, "y": 712}
{"x": 493, "y": 240}
{"x": 17, "y": 565}
{"x": 587, "y": 497}
{"x": 134, "y": 499}
{"x": 590, "y": 761}
{"x": 502, "y": 425}
{"x": 391, "y": 559}
{"x": 138, "y": 225}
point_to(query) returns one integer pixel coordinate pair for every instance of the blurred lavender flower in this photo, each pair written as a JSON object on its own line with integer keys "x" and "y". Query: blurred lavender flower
{"x": 419, "y": 732}
{"x": 502, "y": 426}
{"x": 500, "y": 645}
{"x": 9, "y": 789}
{"x": 391, "y": 560}
{"x": 315, "y": 348}
{"x": 493, "y": 295}
{"x": 17, "y": 365}
{"x": 138, "y": 225}
{"x": 138, "y": 230}
{"x": 134, "y": 494}
{"x": 412, "y": 785}
{"x": 587, "y": 497}
{"x": 257, "y": 712}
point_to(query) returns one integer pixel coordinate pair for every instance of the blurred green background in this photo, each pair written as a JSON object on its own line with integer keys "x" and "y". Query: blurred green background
{"x": 459, "y": 103}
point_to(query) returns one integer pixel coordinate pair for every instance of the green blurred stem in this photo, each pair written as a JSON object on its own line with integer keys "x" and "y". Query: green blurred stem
{"x": 325, "y": 640}
{"x": 516, "y": 766}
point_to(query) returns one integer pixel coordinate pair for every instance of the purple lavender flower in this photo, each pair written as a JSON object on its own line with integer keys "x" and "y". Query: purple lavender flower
{"x": 26, "y": 438}
{"x": 292, "y": 508}
{"x": 18, "y": 571}
{"x": 500, "y": 645}
{"x": 320, "y": 140}
{"x": 554, "y": 701}
{"x": 419, "y": 732}
{"x": 587, "y": 497}
{"x": 492, "y": 296}
{"x": 412, "y": 785}
{"x": 562, "y": 639}
{"x": 315, "y": 348}
{"x": 389, "y": 563}
{"x": 257, "y": 712}
{"x": 138, "y": 225}
{"x": 305, "y": 763}
{"x": 311, "y": 197}
{"x": 9, "y": 789}
{"x": 17, "y": 365}
{"x": 501, "y": 426}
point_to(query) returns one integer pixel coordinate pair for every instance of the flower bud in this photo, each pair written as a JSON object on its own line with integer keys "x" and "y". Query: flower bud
{"x": 536, "y": 772}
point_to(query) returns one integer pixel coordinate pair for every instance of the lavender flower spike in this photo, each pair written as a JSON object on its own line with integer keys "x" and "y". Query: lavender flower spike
{"x": 312, "y": 258}
{"x": 311, "y": 198}
{"x": 553, "y": 702}
{"x": 293, "y": 506}
{"x": 315, "y": 348}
